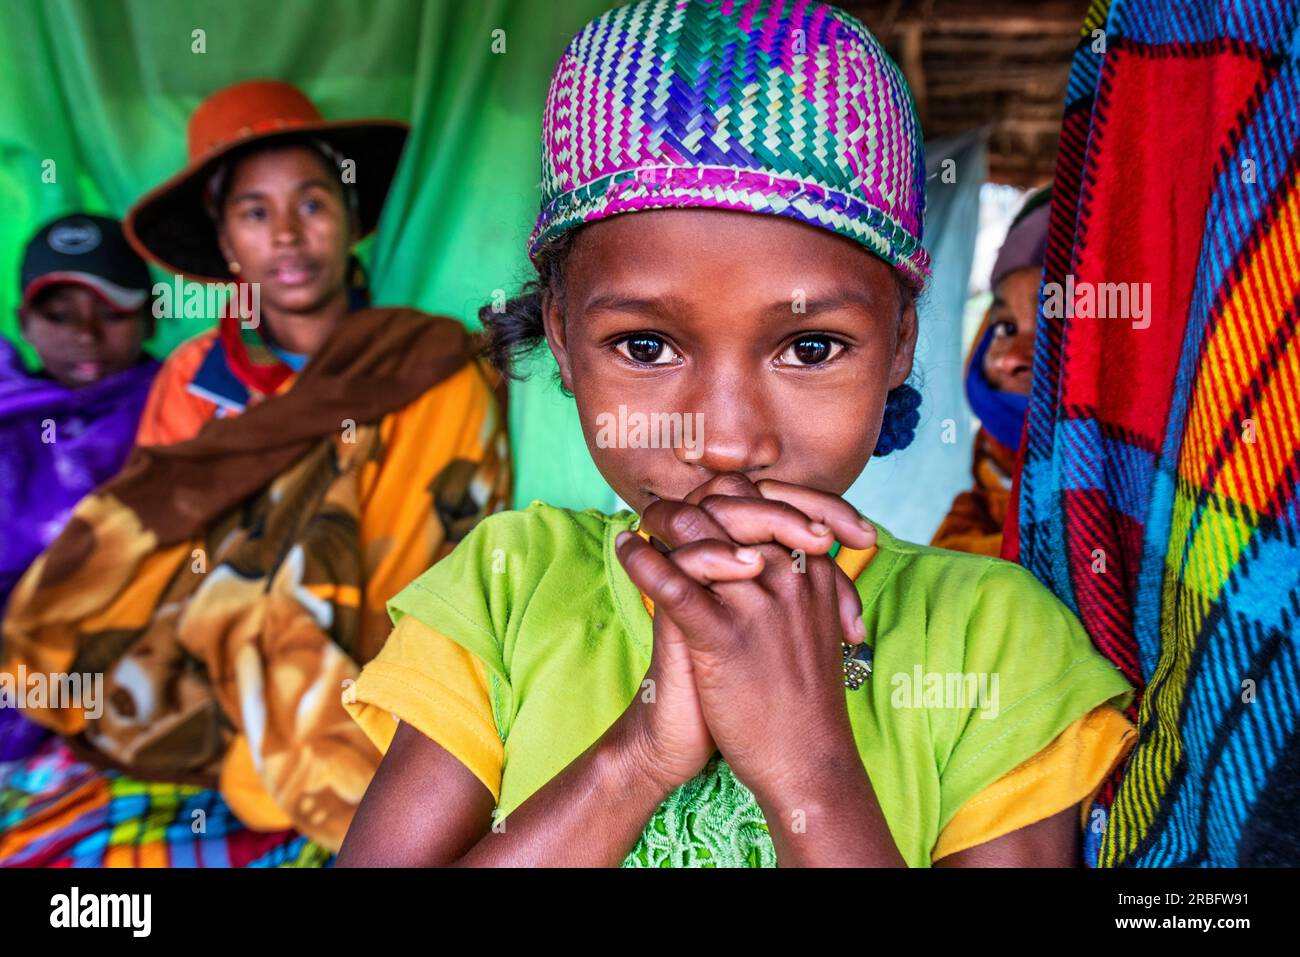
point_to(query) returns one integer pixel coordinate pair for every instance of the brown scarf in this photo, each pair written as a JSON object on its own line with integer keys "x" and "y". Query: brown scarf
{"x": 376, "y": 362}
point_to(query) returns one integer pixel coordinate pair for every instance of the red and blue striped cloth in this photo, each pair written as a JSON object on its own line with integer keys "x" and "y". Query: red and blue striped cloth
{"x": 1158, "y": 495}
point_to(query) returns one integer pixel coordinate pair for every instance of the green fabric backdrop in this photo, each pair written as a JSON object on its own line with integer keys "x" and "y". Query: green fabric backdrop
{"x": 104, "y": 88}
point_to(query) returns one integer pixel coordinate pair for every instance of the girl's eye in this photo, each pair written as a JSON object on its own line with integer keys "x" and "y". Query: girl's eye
{"x": 811, "y": 351}
{"x": 1004, "y": 329}
{"x": 312, "y": 206}
{"x": 647, "y": 350}
{"x": 256, "y": 213}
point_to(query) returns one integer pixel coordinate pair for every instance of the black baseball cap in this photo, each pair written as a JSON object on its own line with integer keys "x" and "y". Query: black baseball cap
{"x": 88, "y": 251}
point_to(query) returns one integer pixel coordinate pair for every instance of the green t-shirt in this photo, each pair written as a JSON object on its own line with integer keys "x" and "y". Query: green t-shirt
{"x": 976, "y": 668}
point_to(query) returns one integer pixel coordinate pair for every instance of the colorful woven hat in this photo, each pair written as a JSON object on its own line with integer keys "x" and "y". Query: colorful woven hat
{"x": 785, "y": 107}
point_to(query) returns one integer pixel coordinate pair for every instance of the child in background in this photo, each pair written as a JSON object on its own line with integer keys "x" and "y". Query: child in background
{"x": 999, "y": 372}
{"x": 743, "y": 671}
{"x": 69, "y": 426}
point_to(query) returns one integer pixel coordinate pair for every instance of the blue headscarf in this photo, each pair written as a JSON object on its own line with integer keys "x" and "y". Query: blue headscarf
{"x": 1002, "y": 413}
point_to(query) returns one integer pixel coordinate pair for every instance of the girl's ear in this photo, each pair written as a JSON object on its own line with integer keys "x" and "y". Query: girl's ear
{"x": 553, "y": 324}
{"x": 905, "y": 348}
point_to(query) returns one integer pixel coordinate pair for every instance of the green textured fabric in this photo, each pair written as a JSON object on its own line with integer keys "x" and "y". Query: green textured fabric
{"x": 539, "y": 596}
{"x": 712, "y": 820}
{"x": 102, "y": 89}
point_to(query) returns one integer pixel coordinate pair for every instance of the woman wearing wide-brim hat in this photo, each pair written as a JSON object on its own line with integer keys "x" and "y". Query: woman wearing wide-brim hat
{"x": 172, "y": 223}
{"x": 217, "y": 221}
{"x": 293, "y": 473}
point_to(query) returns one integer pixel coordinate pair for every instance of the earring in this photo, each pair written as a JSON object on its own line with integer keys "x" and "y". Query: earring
{"x": 234, "y": 267}
{"x": 898, "y": 428}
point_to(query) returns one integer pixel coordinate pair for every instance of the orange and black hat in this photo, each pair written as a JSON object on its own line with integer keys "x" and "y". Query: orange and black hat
{"x": 89, "y": 251}
{"x": 171, "y": 225}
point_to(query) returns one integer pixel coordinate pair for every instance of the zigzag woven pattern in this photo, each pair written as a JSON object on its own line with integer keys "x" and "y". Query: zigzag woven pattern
{"x": 1160, "y": 493}
{"x": 785, "y": 107}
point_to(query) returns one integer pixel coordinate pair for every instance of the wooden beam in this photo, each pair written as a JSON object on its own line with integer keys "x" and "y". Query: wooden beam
{"x": 914, "y": 69}
{"x": 1033, "y": 49}
{"x": 1002, "y": 26}
{"x": 948, "y": 10}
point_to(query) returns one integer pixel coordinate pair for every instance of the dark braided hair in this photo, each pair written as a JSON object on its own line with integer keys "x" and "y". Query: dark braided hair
{"x": 513, "y": 331}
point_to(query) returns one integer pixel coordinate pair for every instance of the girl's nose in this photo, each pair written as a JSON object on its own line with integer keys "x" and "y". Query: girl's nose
{"x": 1017, "y": 352}
{"x": 731, "y": 440}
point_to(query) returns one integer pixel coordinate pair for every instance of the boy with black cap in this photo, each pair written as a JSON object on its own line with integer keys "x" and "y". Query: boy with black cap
{"x": 68, "y": 427}
{"x": 84, "y": 292}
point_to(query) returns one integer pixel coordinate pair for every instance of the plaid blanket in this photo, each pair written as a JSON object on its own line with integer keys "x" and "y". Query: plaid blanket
{"x": 1158, "y": 493}
{"x": 56, "y": 811}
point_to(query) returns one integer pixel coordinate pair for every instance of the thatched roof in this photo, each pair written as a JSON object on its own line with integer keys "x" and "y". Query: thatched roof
{"x": 996, "y": 63}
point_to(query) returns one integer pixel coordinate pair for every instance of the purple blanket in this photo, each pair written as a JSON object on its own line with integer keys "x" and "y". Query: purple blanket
{"x": 56, "y": 445}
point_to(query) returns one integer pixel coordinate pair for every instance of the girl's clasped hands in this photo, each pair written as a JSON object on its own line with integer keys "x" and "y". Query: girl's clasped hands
{"x": 750, "y": 613}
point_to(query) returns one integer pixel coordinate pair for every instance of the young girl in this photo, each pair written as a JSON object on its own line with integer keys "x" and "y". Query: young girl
{"x": 744, "y": 672}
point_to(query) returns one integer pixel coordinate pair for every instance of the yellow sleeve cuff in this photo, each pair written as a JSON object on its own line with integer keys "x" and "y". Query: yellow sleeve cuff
{"x": 436, "y": 686}
{"x": 1066, "y": 772}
